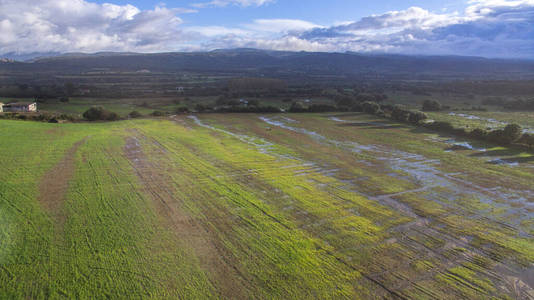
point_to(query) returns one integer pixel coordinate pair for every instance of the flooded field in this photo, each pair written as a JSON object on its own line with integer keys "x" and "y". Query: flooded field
{"x": 264, "y": 206}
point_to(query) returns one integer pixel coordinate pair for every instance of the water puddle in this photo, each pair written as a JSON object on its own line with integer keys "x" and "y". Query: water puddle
{"x": 425, "y": 173}
{"x": 493, "y": 123}
{"x": 335, "y": 119}
{"x": 456, "y": 145}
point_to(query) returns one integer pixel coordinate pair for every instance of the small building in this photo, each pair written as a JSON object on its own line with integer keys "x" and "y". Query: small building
{"x": 1, "y": 107}
{"x": 20, "y": 107}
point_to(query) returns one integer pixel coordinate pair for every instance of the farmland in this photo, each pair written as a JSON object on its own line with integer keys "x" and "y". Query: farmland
{"x": 281, "y": 206}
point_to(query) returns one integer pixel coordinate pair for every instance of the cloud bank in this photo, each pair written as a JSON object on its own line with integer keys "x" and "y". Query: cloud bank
{"x": 492, "y": 28}
{"x": 78, "y": 25}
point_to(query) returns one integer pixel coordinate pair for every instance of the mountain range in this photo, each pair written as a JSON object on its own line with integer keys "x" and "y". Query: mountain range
{"x": 252, "y": 62}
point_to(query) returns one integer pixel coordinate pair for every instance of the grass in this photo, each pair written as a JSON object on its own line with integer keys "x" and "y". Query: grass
{"x": 238, "y": 208}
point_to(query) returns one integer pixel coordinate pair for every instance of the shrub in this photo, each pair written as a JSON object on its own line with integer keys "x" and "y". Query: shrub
{"x": 253, "y": 102}
{"x": 202, "y": 108}
{"x": 321, "y": 108}
{"x": 441, "y": 126}
{"x": 64, "y": 99}
{"x": 297, "y": 107}
{"x": 182, "y": 110}
{"x": 157, "y": 113}
{"x": 479, "y": 134}
{"x": 249, "y": 109}
{"x": 527, "y": 139}
{"x": 135, "y": 114}
{"x": 417, "y": 117}
{"x": 512, "y": 132}
{"x": 497, "y": 136}
{"x": 400, "y": 113}
{"x": 506, "y": 136}
{"x": 370, "y": 107}
{"x": 431, "y": 105}
{"x": 98, "y": 113}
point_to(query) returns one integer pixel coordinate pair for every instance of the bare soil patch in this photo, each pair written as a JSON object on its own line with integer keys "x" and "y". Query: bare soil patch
{"x": 55, "y": 183}
{"x": 156, "y": 184}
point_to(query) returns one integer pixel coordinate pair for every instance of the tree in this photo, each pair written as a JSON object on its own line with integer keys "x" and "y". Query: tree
{"x": 253, "y": 102}
{"x": 98, "y": 113}
{"x": 201, "y": 107}
{"x": 431, "y": 105}
{"x": 400, "y": 113}
{"x": 527, "y": 139}
{"x": 370, "y": 107}
{"x": 441, "y": 126}
{"x": 182, "y": 110}
{"x": 479, "y": 134}
{"x": 135, "y": 114}
{"x": 221, "y": 100}
{"x": 417, "y": 117}
{"x": 512, "y": 133}
{"x": 158, "y": 113}
{"x": 297, "y": 107}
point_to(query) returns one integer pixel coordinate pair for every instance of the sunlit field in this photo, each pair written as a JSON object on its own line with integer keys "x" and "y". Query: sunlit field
{"x": 281, "y": 206}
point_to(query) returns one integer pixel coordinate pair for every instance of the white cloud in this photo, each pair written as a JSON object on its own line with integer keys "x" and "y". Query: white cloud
{"x": 497, "y": 28}
{"x": 281, "y": 25}
{"x": 286, "y": 43}
{"x": 223, "y": 3}
{"x": 214, "y": 31}
{"x": 78, "y": 25}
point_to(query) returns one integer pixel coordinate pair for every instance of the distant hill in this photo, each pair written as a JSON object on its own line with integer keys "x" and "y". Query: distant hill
{"x": 281, "y": 63}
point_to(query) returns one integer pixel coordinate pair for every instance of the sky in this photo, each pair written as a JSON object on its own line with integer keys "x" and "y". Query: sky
{"x": 489, "y": 28}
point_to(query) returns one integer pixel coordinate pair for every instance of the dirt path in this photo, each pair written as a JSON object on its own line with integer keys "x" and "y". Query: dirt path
{"x": 55, "y": 183}
{"x": 224, "y": 276}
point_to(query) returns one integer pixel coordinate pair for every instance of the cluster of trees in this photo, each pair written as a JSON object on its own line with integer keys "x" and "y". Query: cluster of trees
{"x": 41, "y": 93}
{"x": 520, "y": 104}
{"x": 40, "y": 117}
{"x": 253, "y": 85}
{"x": 511, "y": 134}
{"x": 98, "y": 113}
{"x": 226, "y": 101}
{"x": 248, "y": 109}
{"x": 298, "y": 107}
{"x": 397, "y": 112}
{"x": 431, "y": 105}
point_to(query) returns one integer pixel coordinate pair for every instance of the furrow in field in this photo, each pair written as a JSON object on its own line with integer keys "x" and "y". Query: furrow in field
{"x": 276, "y": 255}
{"x": 55, "y": 183}
{"x": 417, "y": 167}
{"x": 324, "y": 221}
{"x": 424, "y": 172}
{"x": 186, "y": 228}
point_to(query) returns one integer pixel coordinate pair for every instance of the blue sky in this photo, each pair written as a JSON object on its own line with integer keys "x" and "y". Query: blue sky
{"x": 317, "y": 11}
{"x": 491, "y": 28}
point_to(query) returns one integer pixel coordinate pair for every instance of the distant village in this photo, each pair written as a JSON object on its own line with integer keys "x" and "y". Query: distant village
{"x": 18, "y": 107}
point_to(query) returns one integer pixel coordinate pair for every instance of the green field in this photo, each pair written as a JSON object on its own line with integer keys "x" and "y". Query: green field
{"x": 292, "y": 206}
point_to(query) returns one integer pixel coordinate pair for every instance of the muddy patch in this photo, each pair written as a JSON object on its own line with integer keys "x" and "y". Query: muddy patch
{"x": 425, "y": 173}
{"x": 55, "y": 183}
{"x": 186, "y": 228}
